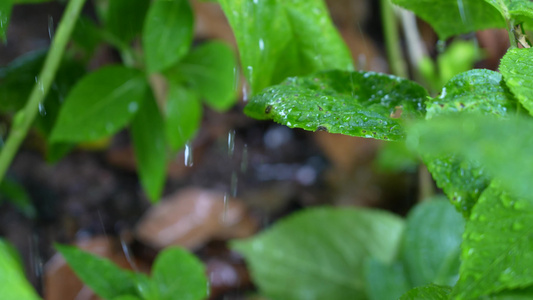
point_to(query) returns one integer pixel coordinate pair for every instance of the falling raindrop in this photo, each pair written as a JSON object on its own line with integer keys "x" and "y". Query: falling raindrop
{"x": 50, "y": 27}
{"x": 233, "y": 184}
{"x": 231, "y": 142}
{"x": 188, "y": 159}
{"x": 224, "y": 214}
{"x": 244, "y": 159}
{"x": 127, "y": 254}
{"x": 42, "y": 110}
{"x": 245, "y": 92}
{"x": 39, "y": 84}
{"x": 261, "y": 45}
{"x": 461, "y": 7}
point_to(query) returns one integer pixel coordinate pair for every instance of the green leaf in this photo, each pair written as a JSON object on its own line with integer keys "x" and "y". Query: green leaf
{"x": 430, "y": 246}
{"x": 167, "y": 33}
{"x": 148, "y": 132}
{"x": 86, "y": 35}
{"x": 319, "y": 253}
{"x": 210, "y": 70}
{"x": 516, "y": 67}
{"x": 385, "y": 281}
{"x": 179, "y": 275}
{"x": 5, "y": 14}
{"x": 16, "y": 194}
{"x": 13, "y": 282}
{"x": 428, "y": 292}
{"x": 100, "y": 104}
{"x": 497, "y": 248}
{"x": 395, "y": 157}
{"x": 124, "y": 18}
{"x": 351, "y": 103}
{"x": 278, "y": 39}
{"x": 480, "y": 91}
{"x": 102, "y": 276}
{"x": 183, "y": 115}
{"x": 467, "y": 15}
{"x": 512, "y": 9}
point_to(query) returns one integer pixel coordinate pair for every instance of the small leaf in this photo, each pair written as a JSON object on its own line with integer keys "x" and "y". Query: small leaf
{"x": 5, "y": 14}
{"x": 179, "y": 275}
{"x": 497, "y": 249}
{"x": 351, "y": 103}
{"x": 468, "y": 15}
{"x": 210, "y": 70}
{"x": 124, "y": 18}
{"x": 278, "y": 39}
{"x": 102, "y": 276}
{"x": 16, "y": 194}
{"x": 100, "y": 104}
{"x": 183, "y": 115}
{"x": 13, "y": 282}
{"x": 428, "y": 292}
{"x": 147, "y": 129}
{"x": 384, "y": 281}
{"x": 167, "y": 33}
{"x": 516, "y": 67}
{"x": 319, "y": 253}
{"x": 430, "y": 246}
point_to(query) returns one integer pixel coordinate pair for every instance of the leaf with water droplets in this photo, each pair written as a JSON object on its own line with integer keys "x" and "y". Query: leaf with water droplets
{"x": 516, "y": 67}
{"x": 428, "y": 292}
{"x": 13, "y": 282}
{"x": 148, "y": 133}
{"x": 497, "y": 249}
{"x": 100, "y": 104}
{"x": 320, "y": 253}
{"x": 480, "y": 91}
{"x": 5, "y": 14}
{"x": 353, "y": 103}
{"x": 454, "y": 17}
{"x": 278, "y": 39}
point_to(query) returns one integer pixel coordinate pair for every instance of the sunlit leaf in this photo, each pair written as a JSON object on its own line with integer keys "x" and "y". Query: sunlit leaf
{"x": 516, "y": 67}
{"x": 352, "y": 103}
{"x": 13, "y": 282}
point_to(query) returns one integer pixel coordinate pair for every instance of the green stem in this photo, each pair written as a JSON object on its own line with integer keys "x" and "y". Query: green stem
{"x": 392, "y": 40}
{"x": 512, "y": 35}
{"x": 25, "y": 117}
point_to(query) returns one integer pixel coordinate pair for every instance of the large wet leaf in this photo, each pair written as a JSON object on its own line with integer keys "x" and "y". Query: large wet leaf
{"x": 13, "y": 282}
{"x": 278, "y": 39}
{"x": 319, "y": 253}
{"x": 453, "y": 17}
{"x": 514, "y": 9}
{"x": 183, "y": 114}
{"x": 385, "y": 281}
{"x": 497, "y": 250}
{"x": 167, "y": 33}
{"x": 517, "y": 69}
{"x": 5, "y": 14}
{"x": 428, "y": 292}
{"x": 351, "y": 103}
{"x": 148, "y": 133}
{"x": 480, "y": 91}
{"x": 430, "y": 246}
{"x": 124, "y": 18}
{"x": 100, "y": 104}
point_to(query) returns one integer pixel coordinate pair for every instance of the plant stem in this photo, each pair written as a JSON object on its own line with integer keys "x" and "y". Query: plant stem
{"x": 24, "y": 118}
{"x": 392, "y": 40}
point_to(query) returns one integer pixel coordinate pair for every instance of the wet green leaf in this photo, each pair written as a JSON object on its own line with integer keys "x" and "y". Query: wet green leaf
{"x": 430, "y": 246}
{"x": 179, "y": 275}
{"x": 467, "y": 15}
{"x": 210, "y": 70}
{"x": 352, "y": 103}
{"x": 101, "y": 275}
{"x": 319, "y": 253}
{"x": 148, "y": 133}
{"x": 167, "y": 33}
{"x": 428, "y": 292}
{"x": 497, "y": 249}
{"x": 183, "y": 115}
{"x": 511, "y": 9}
{"x": 278, "y": 39}
{"x": 385, "y": 281}
{"x": 516, "y": 67}
{"x": 5, "y": 14}
{"x": 124, "y": 18}
{"x": 13, "y": 282}
{"x": 100, "y": 104}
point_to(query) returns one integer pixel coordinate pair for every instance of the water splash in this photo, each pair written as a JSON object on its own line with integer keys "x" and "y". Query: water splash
{"x": 51, "y": 27}
{"x": 231, "y": 142}
{"x": 188, "y": 156}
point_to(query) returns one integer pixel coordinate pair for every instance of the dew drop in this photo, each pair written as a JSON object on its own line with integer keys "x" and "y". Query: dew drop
{"x": 231, "y": 142}
{"x": 133, "y": 107}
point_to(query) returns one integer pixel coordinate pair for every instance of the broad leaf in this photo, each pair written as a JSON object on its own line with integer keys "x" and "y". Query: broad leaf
{"x": 513, "y": 9}
{"x": 278, "y": 39}
{"x": 124, "y": 18}
{"x": 319, "y": 253}
{"x": 101, "y": 275}
{"x": 352, "y": 103}
{"x": 100, "y": 104}
{"x": 516, "y": 67}
{"x": 179, "y": 275}
{"x": 385, "y": 281}
{"x": 183, "y": 115}
{"x": 13, "y": 282}
{"x": 497, "y": 249}
{"x": 428, "y": 292}
{"x": 430, "y": 246}
{"x": 167, "y": 33}
{"x": 5, "y": 14}
{"x": 467, "y": 15}
{"x": 480, "y": 91}
{"x": 148, "y": 133}
{"x": 209, "y": 70}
